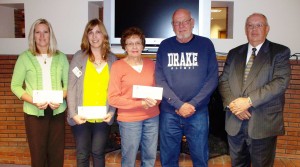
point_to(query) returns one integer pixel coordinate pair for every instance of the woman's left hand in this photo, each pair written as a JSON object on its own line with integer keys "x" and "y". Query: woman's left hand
{"x": 54, "y": 106}
{"x": 108, "y": 117}
{"x": 148, "y": 102}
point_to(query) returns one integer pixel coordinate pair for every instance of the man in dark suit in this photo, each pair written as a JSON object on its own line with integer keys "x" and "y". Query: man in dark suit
{"x": 255, "y": 98}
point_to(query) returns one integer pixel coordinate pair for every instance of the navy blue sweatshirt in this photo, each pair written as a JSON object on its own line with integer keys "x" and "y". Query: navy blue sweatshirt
{"x": 188, "y": 72}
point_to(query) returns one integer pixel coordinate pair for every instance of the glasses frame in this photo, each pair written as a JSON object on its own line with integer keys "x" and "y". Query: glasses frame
{"x": 185, "y": 22}
{"x": 255, "y": 26}
{"x": 132, "y": 44}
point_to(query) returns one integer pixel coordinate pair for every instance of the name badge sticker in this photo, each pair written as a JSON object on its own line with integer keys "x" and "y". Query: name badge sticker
{"x": 77, "y": 72}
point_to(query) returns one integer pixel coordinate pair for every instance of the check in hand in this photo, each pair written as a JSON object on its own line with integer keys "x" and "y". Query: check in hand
{"x": 148, "y": 102}
{"x": 186, "y": 110}
{"x": 239, "y": 105}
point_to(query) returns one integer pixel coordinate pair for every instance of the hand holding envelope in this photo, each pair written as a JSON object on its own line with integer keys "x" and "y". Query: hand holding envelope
{"x": 41, "y": 106}
{"x": 79, "y": 119}
{"x": 149, "y": 94}
{"x": 148, "y": 102}
{"x": 53, "y": 105}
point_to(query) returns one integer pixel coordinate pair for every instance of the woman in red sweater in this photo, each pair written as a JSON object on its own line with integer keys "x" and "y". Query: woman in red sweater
{"x": 138, "y": 119}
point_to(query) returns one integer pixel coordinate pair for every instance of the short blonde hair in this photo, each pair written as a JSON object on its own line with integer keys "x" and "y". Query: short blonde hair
{"x": 52, "y": 49}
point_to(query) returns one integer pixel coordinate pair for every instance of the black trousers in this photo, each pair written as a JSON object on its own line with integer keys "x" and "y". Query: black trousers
{"x": 46, "y": 137}
{"x": 245, "y": 151}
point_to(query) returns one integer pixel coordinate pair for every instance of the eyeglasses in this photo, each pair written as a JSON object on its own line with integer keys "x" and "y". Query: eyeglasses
{"x": 185, "y": 23}
{"x": 137, "y": 44}
{"x": 252, "y": 26}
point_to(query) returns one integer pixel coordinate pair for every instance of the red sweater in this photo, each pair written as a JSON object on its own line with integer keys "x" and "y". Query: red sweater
{"x": 122, "y": 79}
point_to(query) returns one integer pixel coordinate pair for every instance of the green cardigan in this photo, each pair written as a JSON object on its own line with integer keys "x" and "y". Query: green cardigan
{"x": 28, "y": 69}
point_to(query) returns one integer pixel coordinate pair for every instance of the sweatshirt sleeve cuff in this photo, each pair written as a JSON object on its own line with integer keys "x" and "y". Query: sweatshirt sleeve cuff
{"x": 178, "y": 104}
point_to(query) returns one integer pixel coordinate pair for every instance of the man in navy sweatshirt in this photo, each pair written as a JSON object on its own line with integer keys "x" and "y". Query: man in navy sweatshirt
{"x": 187, "y": 69}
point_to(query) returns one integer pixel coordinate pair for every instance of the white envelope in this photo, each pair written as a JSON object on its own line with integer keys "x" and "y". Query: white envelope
{"x": 147, "y": 92}
{"x": 41, "y": 96}
{"x": 92, "y": 112}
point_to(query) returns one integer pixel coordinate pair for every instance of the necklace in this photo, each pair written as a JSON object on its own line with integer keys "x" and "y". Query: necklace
{"x": 45, "y": 58}
{"x": 97, "y": 63}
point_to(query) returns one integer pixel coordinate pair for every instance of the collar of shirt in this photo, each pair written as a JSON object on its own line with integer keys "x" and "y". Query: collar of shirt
{"x": 249, "y": 52}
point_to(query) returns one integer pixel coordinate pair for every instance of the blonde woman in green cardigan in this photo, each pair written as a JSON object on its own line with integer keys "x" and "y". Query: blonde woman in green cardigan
{"x": 42, "y": 67}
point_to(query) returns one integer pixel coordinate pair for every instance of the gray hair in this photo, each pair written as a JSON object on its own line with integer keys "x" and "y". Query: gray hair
{"x": 258, "y": 14}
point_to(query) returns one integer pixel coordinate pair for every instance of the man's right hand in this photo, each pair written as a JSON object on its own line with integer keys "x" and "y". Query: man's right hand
{"x": 245, "y": 115}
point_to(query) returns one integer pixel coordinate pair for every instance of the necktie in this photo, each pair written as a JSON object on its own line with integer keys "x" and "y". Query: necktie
{"x": 249, "y": 64}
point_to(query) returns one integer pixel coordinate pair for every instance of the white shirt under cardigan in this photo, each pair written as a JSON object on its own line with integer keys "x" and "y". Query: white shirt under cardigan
{"x": 45, "y": 62}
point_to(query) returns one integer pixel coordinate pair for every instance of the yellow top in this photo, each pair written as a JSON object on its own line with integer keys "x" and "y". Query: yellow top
{"x": 95, "y": 87}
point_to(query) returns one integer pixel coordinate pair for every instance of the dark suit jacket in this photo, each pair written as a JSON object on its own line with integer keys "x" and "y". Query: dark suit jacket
{"x": 266, "y": 84}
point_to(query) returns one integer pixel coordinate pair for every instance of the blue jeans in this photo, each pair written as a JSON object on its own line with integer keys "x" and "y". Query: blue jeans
{"x": 195, "y": 128}
{"x": 90, "y": 139}
{"x": 134, "y": 134}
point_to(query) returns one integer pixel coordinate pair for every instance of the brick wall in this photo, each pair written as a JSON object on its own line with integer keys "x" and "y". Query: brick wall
{"x": 19, "y": 23}
{"x": 13, "y": 142}
{"x": 289, "y": 144}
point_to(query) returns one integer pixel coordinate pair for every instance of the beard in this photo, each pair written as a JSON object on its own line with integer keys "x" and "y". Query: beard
{"x": 184, "y": 36}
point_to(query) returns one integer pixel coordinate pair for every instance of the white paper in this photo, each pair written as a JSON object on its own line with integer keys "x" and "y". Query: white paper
{"x": 92, "y": 112}
{"x": 41, "y": 96}
{"x": 147, "y": 92}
